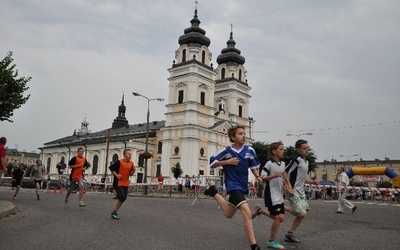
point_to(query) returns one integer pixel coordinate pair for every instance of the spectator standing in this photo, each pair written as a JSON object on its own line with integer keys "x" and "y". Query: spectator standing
{"x": 342, "y": 186}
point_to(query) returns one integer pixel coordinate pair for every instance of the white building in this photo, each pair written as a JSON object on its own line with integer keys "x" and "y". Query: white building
{"x": 203, "y": 102}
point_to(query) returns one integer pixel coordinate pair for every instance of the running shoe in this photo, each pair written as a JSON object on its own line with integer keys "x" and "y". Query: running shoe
{"x": 81, "y": 204}
{"x": 114, "y": 216}
{"x": 14, "y": 198}
{"x": 66, "y": 202}
{"x": 211, "y": 191}
{"x": 291, "y": 238}
{"x": 274, "y": 244}
{"x": 38, "y": 198}
{"x": 257, "y": 212}
{"x": 353, "y": 209}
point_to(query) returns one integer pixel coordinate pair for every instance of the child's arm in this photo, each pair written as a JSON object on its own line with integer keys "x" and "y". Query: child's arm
{"x": 287, "y": 186}
{"x": 257, "y": 175}
{"x": 231, "y": 161}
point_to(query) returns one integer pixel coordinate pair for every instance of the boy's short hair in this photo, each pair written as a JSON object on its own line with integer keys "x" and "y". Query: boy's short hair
{"x": 300, "y": 142}
{"x": 79, "y": 149}
{"x": 232, "y": 131}
{"x": 125, "y": 150}
{"x": 3, "y": 140}
{"x": 274, "y": 146}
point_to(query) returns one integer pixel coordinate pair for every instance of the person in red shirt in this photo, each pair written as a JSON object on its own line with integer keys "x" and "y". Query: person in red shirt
{"x": 121, "y": 170}
{"x": 160, "y": 184}
{"x": 77, "y": 165}
{"x": 3, "y": 168}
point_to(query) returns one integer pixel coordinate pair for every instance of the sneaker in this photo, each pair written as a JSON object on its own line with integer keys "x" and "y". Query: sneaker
{"x": 38, "y": 198}
{"x": 114, "y": 216}
{"x": 256, "y": 212}
{"x": 258, "y": 248}
{"x": 14, "y": 198}
{"x": 353, "y": 209}
{"x": 291, "y": 238}
{"x": 274, "y": 244}
{"x": 211, "y": 191}
{"x": 81, "y": 204}
{"x": 339, "y": 212}
{"x": 66, "y": 202}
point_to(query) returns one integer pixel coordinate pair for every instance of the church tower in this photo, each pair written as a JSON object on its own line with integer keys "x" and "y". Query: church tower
{"x": 231, "y": 96}
{"x": 190, "y": 108}
{"x": 121, "y": 121}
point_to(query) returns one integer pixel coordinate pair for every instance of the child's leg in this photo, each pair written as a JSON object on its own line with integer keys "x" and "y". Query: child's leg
{"x": 297, "y": 221}
{"x": 275, "y": 225}
{"x": 226, "y": 209}
{"x": 16, "y": 191}
{"x": 248, "y": 223}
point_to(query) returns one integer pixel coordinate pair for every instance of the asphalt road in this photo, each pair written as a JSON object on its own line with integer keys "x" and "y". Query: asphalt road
{"x": 172, "y": 223}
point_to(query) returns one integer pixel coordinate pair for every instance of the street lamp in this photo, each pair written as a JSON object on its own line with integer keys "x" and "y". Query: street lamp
{"x": 147, "y": 135}
{"x": 298, "y": 135}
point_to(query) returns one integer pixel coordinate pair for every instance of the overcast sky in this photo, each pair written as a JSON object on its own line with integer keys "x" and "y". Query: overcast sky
{"x": 330, "y": 68}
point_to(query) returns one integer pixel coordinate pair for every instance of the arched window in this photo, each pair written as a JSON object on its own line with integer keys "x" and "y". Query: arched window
{"x": 115, "y": 158}
{"x": 240, "y": 74}
{"x": 95, "y": 164}
{"x": 203, "y": 57}
{"x": 180, "y": 96}
{"x": 223, "y": 73}
{"x": 203, "y": 98}
{"x": 48, "y": 165}
{"x": 184, "y": 55}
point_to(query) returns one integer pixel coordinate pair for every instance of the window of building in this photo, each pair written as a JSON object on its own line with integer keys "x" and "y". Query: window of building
{"x": 201, "y": 172}
{"x": 159, "y": 148}
{"x": 180, "y": 96}
{"x": 158, "y": 171}
{"x": 212, "y": 171}
{"x": 176, "y": 150}
{"x": 203, "y": 98}
{"x": 220, "y": 107}
{"x": 141, "y": 161}
{"x": 115, "y": 158}
{"x": 223, "y": 73}
{"x": 202, "y": 152}
{"x": 48, "y": 165}
{"x": 95, "y": 164}
{"x": 240, "y": 110}
{"x": 203, "y": 57}
{"x": 184, "y": 55}
{"x": 240, "y": 74}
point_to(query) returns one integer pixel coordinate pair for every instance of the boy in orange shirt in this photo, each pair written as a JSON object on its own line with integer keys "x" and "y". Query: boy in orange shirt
{"x": 77, "y": 165}
{"x": 122, "y": 169}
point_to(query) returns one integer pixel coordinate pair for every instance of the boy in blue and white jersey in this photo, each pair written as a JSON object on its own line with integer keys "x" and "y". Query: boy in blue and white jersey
{"x": 236, "y": 161}
{"x": 297, "y": 169}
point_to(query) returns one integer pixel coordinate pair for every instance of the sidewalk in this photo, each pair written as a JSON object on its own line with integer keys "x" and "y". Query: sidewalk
{"x": 7, "y": 208}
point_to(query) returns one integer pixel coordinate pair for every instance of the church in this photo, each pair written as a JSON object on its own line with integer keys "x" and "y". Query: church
{"x": 203, "y": 102}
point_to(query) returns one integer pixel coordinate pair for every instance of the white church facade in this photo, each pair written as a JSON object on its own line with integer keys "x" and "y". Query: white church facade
{"x": 203, "y": 102}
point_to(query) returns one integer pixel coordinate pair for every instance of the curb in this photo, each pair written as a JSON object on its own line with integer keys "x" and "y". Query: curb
{"x": 7, "y": 209}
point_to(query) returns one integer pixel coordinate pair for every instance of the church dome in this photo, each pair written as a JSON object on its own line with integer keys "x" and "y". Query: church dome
{"x": 194, "y": 34}
{"x": 230, "y": 53}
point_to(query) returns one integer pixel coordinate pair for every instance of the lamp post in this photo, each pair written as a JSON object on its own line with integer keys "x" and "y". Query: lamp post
{"x": 147, "y": 135}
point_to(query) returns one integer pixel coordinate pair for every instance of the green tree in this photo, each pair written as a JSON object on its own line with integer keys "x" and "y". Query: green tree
{"x": 12, "y": 88}
{"x": 262, "y": 151}
{"x": 384, "y": 184}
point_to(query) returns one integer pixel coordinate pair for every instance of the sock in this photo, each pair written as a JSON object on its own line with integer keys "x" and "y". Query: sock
{"x": 253, "y": 247}
{"x": 114, "y": 212}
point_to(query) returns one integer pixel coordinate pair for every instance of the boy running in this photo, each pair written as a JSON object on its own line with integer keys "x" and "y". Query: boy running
{"x": 77, "y": 164}
{"x": 121, "y": 170}
{"x": 273, "y": 176}
{"x": 38, "y": 174}
{"x": 297, "y": 169}
{"x": 236, "y": 161}
{"x": 17, "y": 176}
